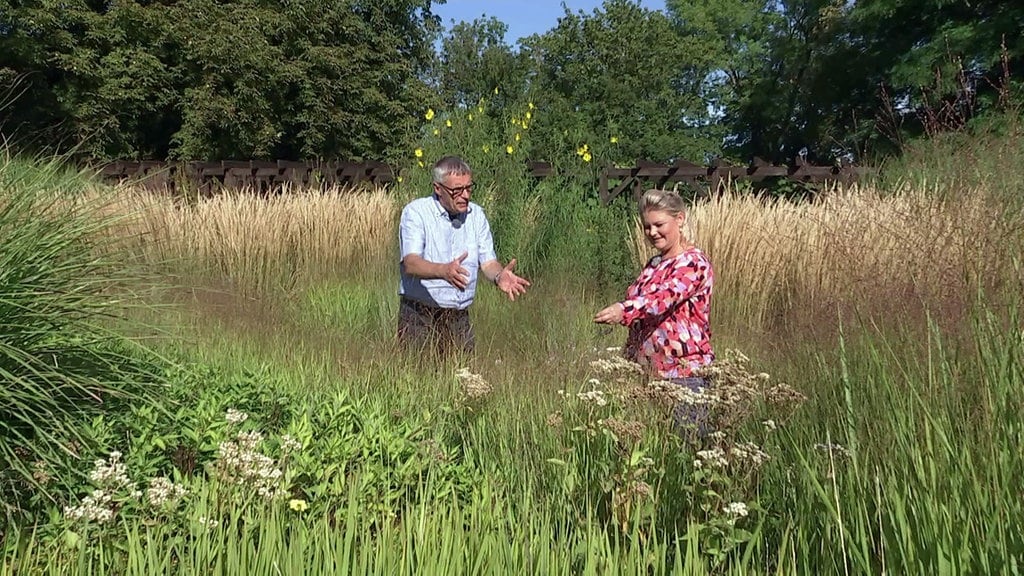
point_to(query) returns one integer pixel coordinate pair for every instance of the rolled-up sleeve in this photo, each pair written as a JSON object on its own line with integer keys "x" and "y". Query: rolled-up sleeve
{"x": 412, "y": 234}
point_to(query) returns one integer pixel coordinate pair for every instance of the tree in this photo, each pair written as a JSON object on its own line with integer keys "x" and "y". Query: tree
{"x": 620, "y": 73}
{"x": 839, "y": 78}
{"x": 780, "y": 67}
{"x": 211, "y": 79}
{"x": 476, "y": 63}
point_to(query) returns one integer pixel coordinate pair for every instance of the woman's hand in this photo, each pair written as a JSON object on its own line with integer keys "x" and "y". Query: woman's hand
{"x": 610, "y": 315}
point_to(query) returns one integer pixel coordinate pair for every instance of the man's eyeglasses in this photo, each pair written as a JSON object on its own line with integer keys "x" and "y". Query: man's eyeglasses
{"x": 456, "y": 192}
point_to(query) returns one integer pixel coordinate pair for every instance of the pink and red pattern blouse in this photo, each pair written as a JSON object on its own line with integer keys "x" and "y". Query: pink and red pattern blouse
{"x": 667, "y": 311}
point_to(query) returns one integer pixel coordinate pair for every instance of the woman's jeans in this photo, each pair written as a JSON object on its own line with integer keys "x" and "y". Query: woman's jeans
{"x": 688, "y": 418}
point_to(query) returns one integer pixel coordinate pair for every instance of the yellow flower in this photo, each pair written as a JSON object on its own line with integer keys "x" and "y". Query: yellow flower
{"x": 419, "y": 163}
{"x": 470, "y": 117}
{"x": 418, "y": 152}
{"x": 495, "y": 89}
{"x": 517, "y": 136}
{"x": 448, "y": 123}
{"x": 515, "y": 121}
{"x": 437, "y": 132}
{"x": 298, "y": 505}
{"x": 529, "y": 114}
{"x": 480, "y": 108}
{"x": 430, "y": 114}
{"x": 486, "y": 149}
{"x": 586, "y": 157}
{"x": 530, "y": 105}
{"x": 509, "y": 149}
{"x": 582, "y": 150}
{"x": 399, "y": 179}
{"x": 614, "y": 139}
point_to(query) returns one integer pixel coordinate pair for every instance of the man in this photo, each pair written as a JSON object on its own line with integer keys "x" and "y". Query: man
{"x": 446, "y": 246}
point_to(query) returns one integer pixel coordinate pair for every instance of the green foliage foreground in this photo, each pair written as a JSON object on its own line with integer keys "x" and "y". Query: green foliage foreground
{"x": 60, "y": 363}
{"x": 309, "y": 445}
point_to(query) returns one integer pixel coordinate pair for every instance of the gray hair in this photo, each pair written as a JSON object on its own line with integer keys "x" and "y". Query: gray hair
{"x": 664, "y": 200}
{"x": 449, "y": 165}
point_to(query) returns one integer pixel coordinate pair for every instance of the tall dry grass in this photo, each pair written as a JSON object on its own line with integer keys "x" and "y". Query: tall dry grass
{"x": 782, "y": 264}
{"x": 255, "y": 242}
{"x": 779, "y": 264}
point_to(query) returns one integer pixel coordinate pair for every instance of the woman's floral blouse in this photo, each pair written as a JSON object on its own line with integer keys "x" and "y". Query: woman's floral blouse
{"x": 667, "y": 312}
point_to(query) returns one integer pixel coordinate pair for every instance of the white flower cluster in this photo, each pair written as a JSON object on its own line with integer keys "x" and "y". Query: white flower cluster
{"x": 742, "y": 452}
{"x": 163, "y": 492}
{"x": 290, "y": 444}
{"x": 711, "y": 458}
{"x": 240, "y": 462}
{"x": 616, "y": 365}
{"x": 684, "y": 395}
{"x": 235, "y": 416}
{"x": 95, "y": 507}
{"x": 110, "y": 476}
{"x": 593, "y": 396}
{"x": 112, "y": 473}
{"x": 473, "y": 385}
{"x": 737, "y": 510}
{"x": 749, "y": 451}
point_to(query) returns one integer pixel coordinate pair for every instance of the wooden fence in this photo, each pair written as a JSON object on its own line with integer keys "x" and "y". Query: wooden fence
{"x": 652, "y": 175}
{"x": 271, "y": 177}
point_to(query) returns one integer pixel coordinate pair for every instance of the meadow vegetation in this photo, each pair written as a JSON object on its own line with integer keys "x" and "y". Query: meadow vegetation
{"x": 250, "y": 413}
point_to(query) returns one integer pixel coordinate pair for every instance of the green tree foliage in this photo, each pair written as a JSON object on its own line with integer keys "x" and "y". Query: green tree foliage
{"x": 623, "y": 73}
{"x": 838, "y": 77}
{"x": 951, "y": 58}
{"x": 775, "y": 81}
{"x": 474, "y": 60}
{"x": 201, "y": 79}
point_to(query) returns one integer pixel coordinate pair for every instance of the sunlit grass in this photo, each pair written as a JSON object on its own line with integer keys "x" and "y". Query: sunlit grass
{"x": 903, "y": 459}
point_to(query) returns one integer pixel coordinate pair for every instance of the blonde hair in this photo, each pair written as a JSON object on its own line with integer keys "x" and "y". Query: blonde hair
{"x": 663, "y": 200}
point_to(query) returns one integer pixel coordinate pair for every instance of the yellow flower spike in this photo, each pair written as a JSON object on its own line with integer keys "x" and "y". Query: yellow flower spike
{"x": 419, "y": 163}
{"x": 448, "y": 123}
{"x": 517, "y": 136}
{"x": 418, "y": 152}
{"x": 509, "y": 149}
{"x": 495, "y": 89}
{"x": 298, "y": 505}
{"x": 430, "y": 114}
{"x": 587, "y": 157}
{"x": 614, "y": 139}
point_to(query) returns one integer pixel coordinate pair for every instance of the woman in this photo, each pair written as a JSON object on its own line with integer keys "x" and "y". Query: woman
{"x": 667, "y": 308}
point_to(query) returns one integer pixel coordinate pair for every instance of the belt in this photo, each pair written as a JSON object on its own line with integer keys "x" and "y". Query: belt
{"x": 424, "y": 308}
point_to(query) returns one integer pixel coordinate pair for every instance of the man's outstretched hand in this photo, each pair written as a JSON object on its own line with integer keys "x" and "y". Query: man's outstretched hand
{"x": 511, "y": 284}
{"x": 455, "y": 274}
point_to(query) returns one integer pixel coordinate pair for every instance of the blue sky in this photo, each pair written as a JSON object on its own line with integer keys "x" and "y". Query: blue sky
{"x": 523, "y": 17}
